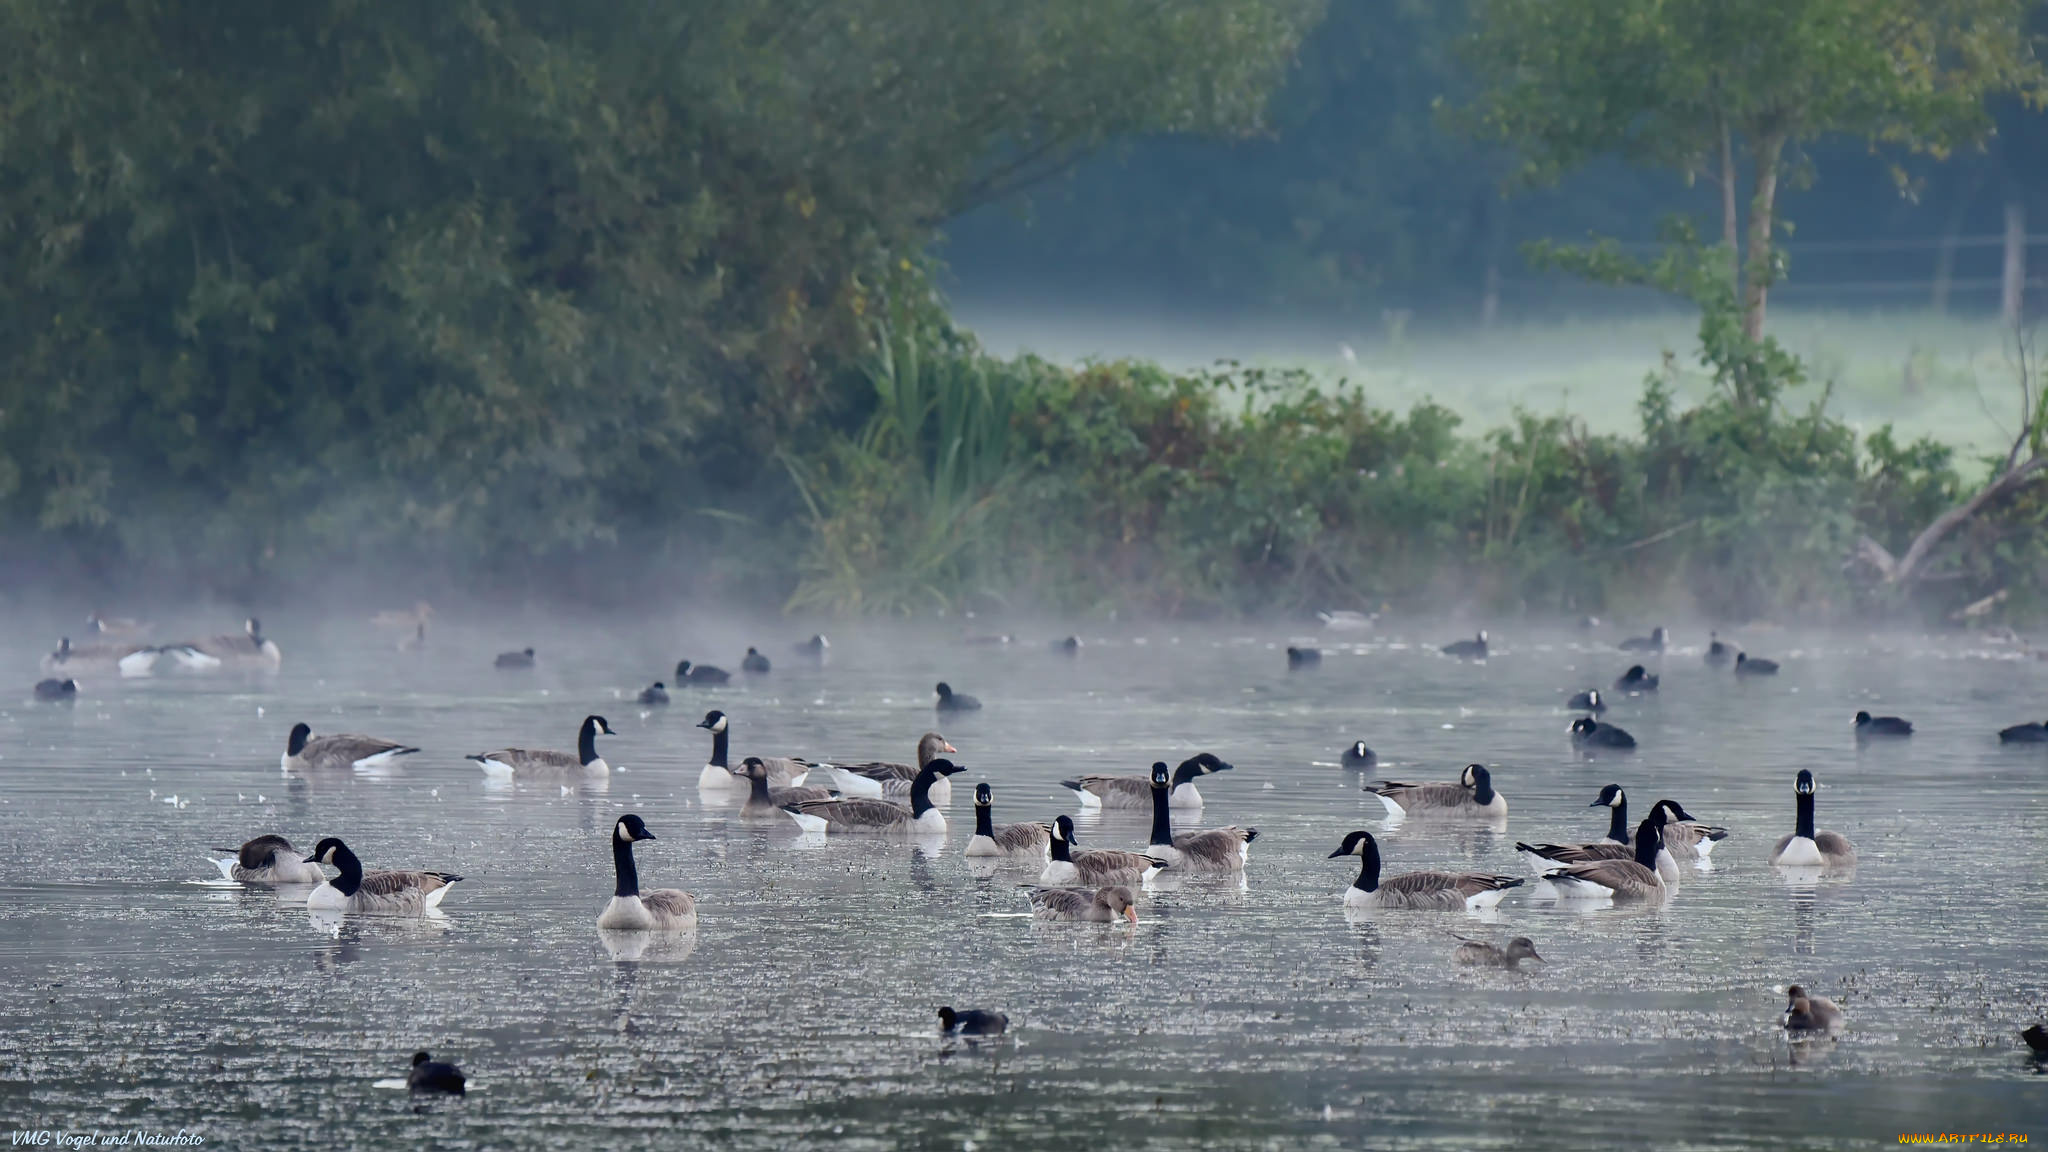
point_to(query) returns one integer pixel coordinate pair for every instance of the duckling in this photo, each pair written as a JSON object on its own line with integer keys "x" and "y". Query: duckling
{"x": 754, "y": 663}
{"x": 1747, "y": 665}
{"x": 1587, "y": 701}
{"x": 1636, "y": 679}
{"x": 688, "y": 673}
{"x": 1654, "y": 642}
{"x": 951, "y": 701}
{"x": 1473, "y": 649}
{"x": 430, "y": 1075}
{"x": 1359, "y": 756}
{"x": 52, "y": 691}
{"x": 1480, "y": 954}
{"x": 1304, "y": 657}
{"x": 1871, "y": 727}
{"x": 514, "y": 660}
{"x": 1589, "y": 734}
{"x": 655, "y": 694}
{"x": 1807, "y": 1013}
{"x": 1806, "y": 848}
{"x": 972, "y": 1022}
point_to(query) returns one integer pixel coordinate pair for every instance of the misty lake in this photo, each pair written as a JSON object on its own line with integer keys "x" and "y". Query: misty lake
{"x": 141, "y": 992}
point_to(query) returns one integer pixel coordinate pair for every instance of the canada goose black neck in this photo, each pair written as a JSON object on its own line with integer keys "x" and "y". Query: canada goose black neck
{"x": 1368, "y": 864}
{"x": 1803, "y": 791}
{"x": 332, "y": 851}
{"x": 1649, "y": 841}
{"x": 1062, "y": 831}
{"x": 586, "y": 739}
{"x": 1482, "y": 784}
{"x": 297, "y": 743}
{"x": 1195, "y": 767}
{"x": 1162, "y": 820}
{"x": 622, "y": 862}
{"x": 921, "y": 787}
{"x": 984, "y": 813}
{"x": 718, "y": 744}
{"x": 1617, "y": 820}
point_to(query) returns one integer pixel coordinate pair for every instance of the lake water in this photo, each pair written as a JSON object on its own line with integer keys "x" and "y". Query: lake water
{"x": 138, "y": 996}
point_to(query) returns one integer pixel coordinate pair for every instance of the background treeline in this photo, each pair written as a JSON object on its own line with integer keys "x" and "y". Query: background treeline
{"x": 536, "y": 296}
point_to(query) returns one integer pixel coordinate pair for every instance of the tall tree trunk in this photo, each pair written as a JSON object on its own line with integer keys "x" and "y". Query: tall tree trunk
{"x": 1965, "y": 194}
{"x": 2012, "y": 302}
{"x": 1730, "y": 232}
{"x": 1767, "y": 150}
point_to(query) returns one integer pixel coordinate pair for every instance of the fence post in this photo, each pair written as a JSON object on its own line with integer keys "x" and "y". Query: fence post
{"x": 2011, "y": 303}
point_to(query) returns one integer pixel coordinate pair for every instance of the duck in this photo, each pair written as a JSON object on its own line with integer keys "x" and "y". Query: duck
{"x": 1805, "y": 1012}
{"x": 1359, "y": 756}
{"x": 815, "y": 647}
{"x": 631, "y": 910}
{"x": 718, "y": 776}
{"x": 1135, "y": 792}
{"x": 1214, "y": 851}
{"x": 990, "y": 839}
{"x": 754, "y": 663}
{"x": 1304, "y": 657}
{"x": 431, "y": 1075}
{"x": 249, "y": 650}
{"x": 514, "y": 660}
{"x": 1543, "y": 857}
{"x": 1636, "y": 679}
{"x": 703, "y": 674}
{"x": 267, "y": 859}
{"x": 1096, "y": 905}
{"x": 951, "y": 701}
{"x": 879, "y": 817}
{"x": 1685, "y": 837}
{"x": 763, "y": 800}
{"x": 1805, "y": 847}
{"x": 1546, "y": 858}
{"x": 1587, "y": 701}
{"x": 1717, "y": 652}
{"x": 1417, "y": 891}
{"x": 1473, "y": 649}
{"x": 1071, "y": 646}
{"x": 655, "y": 695}
{"x": 1588, "y": 733}
{"x": 354, "y": 890}
{"x": 1480, "y": 954}
{"x": 1870, "y": 727}
{"x": 517, "y": 762}
{"x": 52, "y": 691}
{"x": 1622, "y": 881}
{"x": 1471, "y": 795}
{"x": 1070, "y": 866}
{"x": 127, "y": 660}
{"x": 1746, "y": 665}
{"x": 304, "y": 752}
{"x": 1654, "y": 642}
{"x": 972, "y": 1022}
{"x": 118, "y": 627}
{"x": 887, "y": 780}
{"x": 2024, "y": 734}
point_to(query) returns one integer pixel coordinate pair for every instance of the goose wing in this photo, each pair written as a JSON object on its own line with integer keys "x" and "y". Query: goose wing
{"x": 855, "y": 812}
{"x": 671, "y": 907}
{"x": 880, "y": 771}
{"x": 531, "y": 760}
{"x": 1132, "y": 790}
{"x": 395, "y": 883}
{"x": 1683, "y": 837}
{"x": 783, "y": 797}
{"x": 786, "y": 771}
{"x": 342, "y": 751}
{"x": 1022, "y": 837}
{"x": 1626, "y": 879}
{"x": 1063, "y": 903}
{"x": 1100, "y": 866}
{"x": 1585, "y": 853}
{"x": 1835, "y": 847}
{"x": 1419, "y": 797}
{"x": 1218, "y": 849}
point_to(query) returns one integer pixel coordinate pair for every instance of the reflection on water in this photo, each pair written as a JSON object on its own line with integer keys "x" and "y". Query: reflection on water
{"x": 1241, "y": 1010}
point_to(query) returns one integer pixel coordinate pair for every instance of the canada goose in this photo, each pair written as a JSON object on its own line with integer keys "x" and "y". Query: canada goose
{"x": 1684, "y": 837}
{"x": 118, "y": 628}
{"x": 520, "y": 659}
{"x": 1635, "y": 879}
{"x": 128, "y": 660}
{"x": 1473, "y": 649}
{"x": 631, "y": 910}
{"x": 1480, "y": 954}
{"x": 753, "y": 662}
{"x": 1636, "y": 679}
{"x": 56, "y": 690}
{"x": 783, "y": 771}
{"x": 398, "y": 619}
{"x": 1717, "y": 652}
{"x": 1805, "y": 1012}
{"x": 1093, "y": 868}
{"x": 305, "y": 753}
{"x": 430, "y": 1075}
{"x": 1346, "y": 620}
{"x": 2036, "y": 1037}
{"x": 354, "y": 890}
{"x": 1304, "y": 657}
{"x": 1098, "y": 905}
{"x": 1359, "y": 756}
{"x": 1872, "y": 727}
{"x": 1419, "y": 891}
{"x": 1546, "y": 858}
{"x": 972, "y": 1022}
{"x": 1745, "y": 665}
{"x": 1214, "y": 851}
{"x": 1806, "y": 848}
{"x": 1135, "y": 792}
{"x": 1587, "y": 701}
{"x": 268, "y": 859}
{"x": 544, "y": 762}
{"x": 2024, "y": 734}
{"x": 1009, "y": 839}
{"x": 887, "y": 780}
{"x": 1654, "y": 642}
{"x": 816, "y": 646}
{"x": 763, "y": 800}
{"x": 879, "y": 817}
{"x": 1543, "y": 857}
{"x": 688, "y": 673}
{"x": 655, "y": 694}
{"x": 1472, "y": 795}
{"x": 249, "y": 650}
{"x": 951, "y": 701}
{"x": 1588, "y": 733}
{"x": 1071, "y": 646}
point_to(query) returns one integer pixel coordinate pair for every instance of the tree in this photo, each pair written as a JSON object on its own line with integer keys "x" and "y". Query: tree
{"x": 1702, "y": 85}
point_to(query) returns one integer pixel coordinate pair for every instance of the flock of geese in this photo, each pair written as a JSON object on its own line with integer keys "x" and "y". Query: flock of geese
{"x": 1631, "y": 864}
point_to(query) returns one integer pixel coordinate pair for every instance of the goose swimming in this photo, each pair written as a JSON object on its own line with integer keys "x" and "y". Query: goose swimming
{"x": 526, "y": 762}
{"x": 1684, "y": 837}
{"x": 249, "y": 650}
{"x": 991, "y": 839}
{"x": 1417, "y": 891}
{"x": 1097, "y": 905}
{"x": 304, "y": 752}
{"x": 126, "y": 660}
{"x": 1473, "y": 649}
{"x": 1214, "y": 851}
{"x": 631, "y": 910}
{"x": 887, "y": 780}
{"x": 1135, "y": 792}
{"x": 879, "y": 817}
{"x": 763, "y": 800}
{"x": 1093, "y": 868}
{"x": 1805, "y": 847}
{"x": 1635, "y": 879}
{"x": 354, "y": 890}
{"x": 1472, "y": 795}
{"x": 268, "y": 859}
{"x": 1805, "y": 1012}
{"x": 1480, "y": 954}
{"x": 1542, "y": 858}
{"x": 718, "y": 776}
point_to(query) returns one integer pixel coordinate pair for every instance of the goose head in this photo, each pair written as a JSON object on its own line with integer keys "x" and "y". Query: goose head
{"x": 713, "y": 721}
{"x": 597, "y": 726}
{"x": 753, "y": 768}
{"x": 327, "y": 851}
{"x": 1804, "y": 785}
{"x": 1201, "y": 764}
{"x": 296, "y": 742}
{"x": 1356, "y": 844}
{"x": 630, "y": 829}
{"x": 1672, "y": 810}
{"x": 1610, "y": 797}
{"x": 931, "y": 746}
{"x": 943, "y": 767}
{"x": 983, "y": 798}
{"x": 1119, "y": 901}
{"x": 1062, "y": 827}
{"x": 1475, "y": 776}
{"x": 1160, "y": 779}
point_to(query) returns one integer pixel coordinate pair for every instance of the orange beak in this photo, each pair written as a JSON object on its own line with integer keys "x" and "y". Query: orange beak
{"x": 1131, "y": 913}
{"x": 950, "y": 748}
